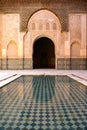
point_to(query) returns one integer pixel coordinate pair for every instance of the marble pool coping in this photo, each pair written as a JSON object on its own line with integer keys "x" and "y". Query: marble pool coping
{"x": 7, "y": 76}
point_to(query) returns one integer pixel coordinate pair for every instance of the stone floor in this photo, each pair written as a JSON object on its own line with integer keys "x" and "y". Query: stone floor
{"x": 7, "y": 76}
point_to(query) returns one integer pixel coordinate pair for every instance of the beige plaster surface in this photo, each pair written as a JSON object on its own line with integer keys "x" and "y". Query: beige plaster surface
{"x": 17, "y": 45}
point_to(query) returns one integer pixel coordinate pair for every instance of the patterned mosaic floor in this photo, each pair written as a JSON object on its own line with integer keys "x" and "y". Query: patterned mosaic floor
{"x": 43, "y": 103}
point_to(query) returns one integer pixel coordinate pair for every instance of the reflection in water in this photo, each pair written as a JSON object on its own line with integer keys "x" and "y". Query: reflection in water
{"x": 43, "y": 91}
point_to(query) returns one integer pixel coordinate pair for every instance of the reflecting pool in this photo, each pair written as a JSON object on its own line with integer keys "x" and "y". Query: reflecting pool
{"x": 43, "y": 103}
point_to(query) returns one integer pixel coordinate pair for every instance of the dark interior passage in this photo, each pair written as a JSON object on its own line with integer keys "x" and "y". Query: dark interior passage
{"x": 43, "y": 53}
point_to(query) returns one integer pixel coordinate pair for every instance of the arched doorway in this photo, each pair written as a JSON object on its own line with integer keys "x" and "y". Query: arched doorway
{"x": 43, "y": 53}
{"x": 42, "y": 24}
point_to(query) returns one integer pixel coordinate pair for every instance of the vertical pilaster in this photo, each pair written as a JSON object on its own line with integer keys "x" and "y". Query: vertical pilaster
{"x": 83, "y": 34}
{"x": 4, "y": 60}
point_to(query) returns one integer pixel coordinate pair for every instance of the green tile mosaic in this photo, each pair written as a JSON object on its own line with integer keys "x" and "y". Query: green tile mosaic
{"x": 43, "y": 103}
{"x": 26, "y": 63}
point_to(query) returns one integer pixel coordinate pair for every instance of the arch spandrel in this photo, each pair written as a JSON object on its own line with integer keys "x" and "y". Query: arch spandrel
{"x": 44, "y": 15}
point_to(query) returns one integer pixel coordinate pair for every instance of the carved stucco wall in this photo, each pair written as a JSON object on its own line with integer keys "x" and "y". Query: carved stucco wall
{"x": 77, "y": 28}
{"x": 73, "y": 21}
{"x": 40, "y": 19}
{"x": 26, "y": 8}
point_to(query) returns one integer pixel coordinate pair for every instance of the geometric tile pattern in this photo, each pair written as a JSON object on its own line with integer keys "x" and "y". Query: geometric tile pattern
{"x": 43, "y": 103}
